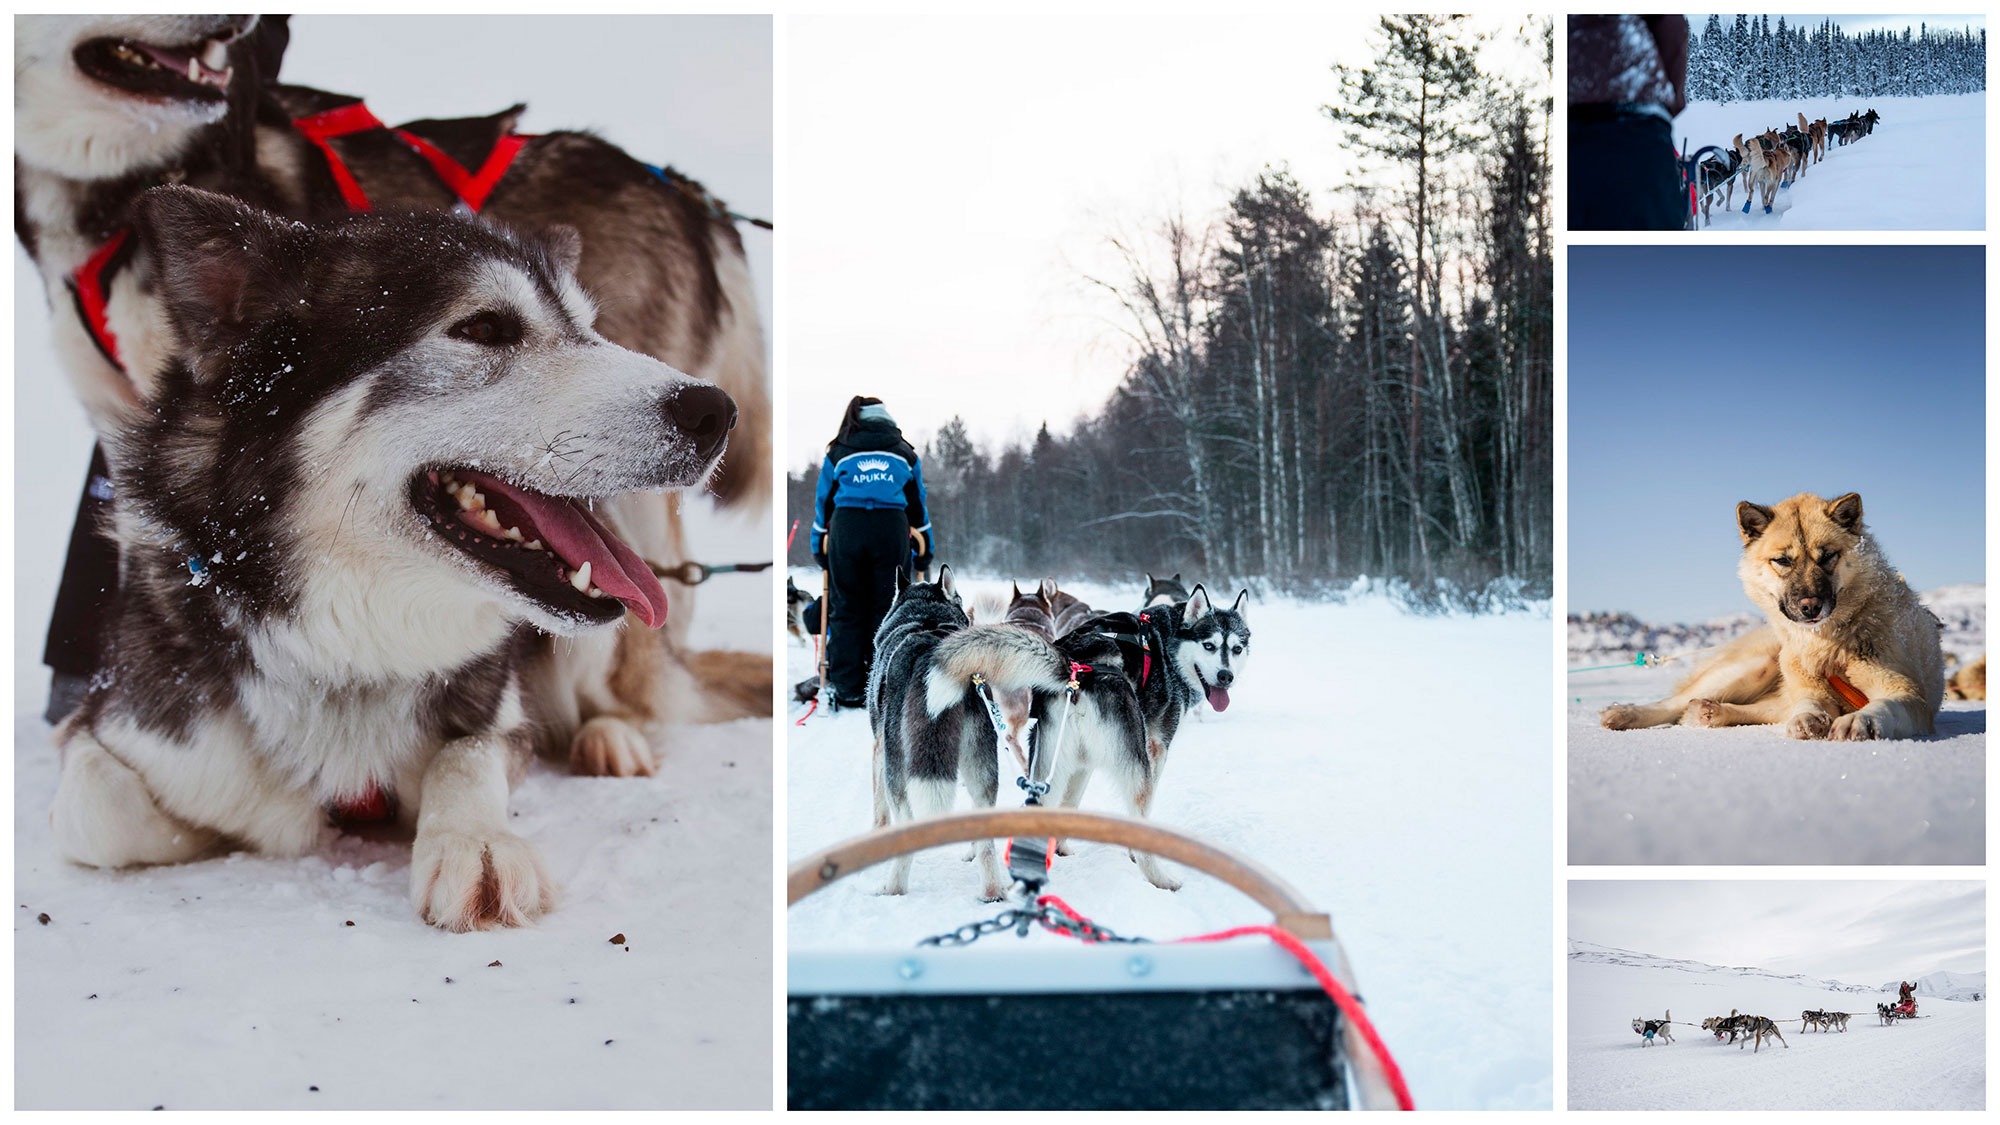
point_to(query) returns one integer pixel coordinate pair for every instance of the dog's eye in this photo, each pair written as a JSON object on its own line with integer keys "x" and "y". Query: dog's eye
{"x": 1236, "y": 651}
{"x": 492, "y": 328}
{"x": 1781, "y": 562}
{"x": 1209, "y": 645}
{"x": 1829, "y": 558}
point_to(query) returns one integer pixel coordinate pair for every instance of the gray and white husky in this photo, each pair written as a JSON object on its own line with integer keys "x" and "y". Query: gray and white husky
{"x": 1137, "y": 678}
{"x": 107, "y": 107}
{"x": 362, "y": 486}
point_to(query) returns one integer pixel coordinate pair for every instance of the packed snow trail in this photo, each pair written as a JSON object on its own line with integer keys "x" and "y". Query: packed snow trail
{"x": 1751, "y": 795}
{"x": 1937, "y": 1061}
{"x": 1924, "y": 167}
{"x": 1392, "y": 768}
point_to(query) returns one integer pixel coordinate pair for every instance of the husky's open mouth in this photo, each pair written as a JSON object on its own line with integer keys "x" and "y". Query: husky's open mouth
{"x": 551, "y": 548}
{"x": 197, "y": 72}
{"x": 1218, "y": 697}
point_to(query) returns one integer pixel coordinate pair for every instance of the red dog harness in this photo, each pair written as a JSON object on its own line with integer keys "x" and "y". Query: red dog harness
{"x": 91, "y": 283}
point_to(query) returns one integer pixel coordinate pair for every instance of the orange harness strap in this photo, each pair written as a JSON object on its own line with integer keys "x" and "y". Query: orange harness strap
{"x": 1846, "y": 691}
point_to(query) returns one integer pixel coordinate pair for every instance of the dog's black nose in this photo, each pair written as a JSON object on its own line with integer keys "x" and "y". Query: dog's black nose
{"x": 1224, "y": 678}
{"x": 705, "y": 414}
{"x": 1809, "y": 606}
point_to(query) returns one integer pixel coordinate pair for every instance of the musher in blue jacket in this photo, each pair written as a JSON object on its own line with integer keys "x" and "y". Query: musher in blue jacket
{"x": 869, "y": 521}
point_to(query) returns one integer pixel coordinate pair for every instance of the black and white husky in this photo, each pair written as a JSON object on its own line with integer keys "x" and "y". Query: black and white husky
{"x": 362, "y": 487}
{"x": 1136, "y": 678}
{"x": 921, "y": 757}
{"x": 1661, "y": 1029}
{"x": 107, "y": 107}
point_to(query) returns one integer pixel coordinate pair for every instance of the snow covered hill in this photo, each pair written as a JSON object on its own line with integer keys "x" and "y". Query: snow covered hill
{"x": 1947, "y": 986}
{"x": 1392, "y": 767}
{"x": 1924, "y": 167}
{"x": 1937, "y": 1061}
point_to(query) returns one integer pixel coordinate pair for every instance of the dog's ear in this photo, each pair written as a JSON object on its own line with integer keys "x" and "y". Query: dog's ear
{"x": 902, "y": 581}
{"x": 1149, "y": 581}
{"x": 564, "y": 245}
{"x": 1237, "y": 605}
{"x": 1047, "y": 589}
{"x": 1197, "y": 605}
{"x": 1177, "y": 576}
{"x": 1752, "y": 519}
{"x": 945, "y": 583}
{"x": 222, "y": 267}
{"x": 1846, "y": 511}
{"x": 1016, "y": 596}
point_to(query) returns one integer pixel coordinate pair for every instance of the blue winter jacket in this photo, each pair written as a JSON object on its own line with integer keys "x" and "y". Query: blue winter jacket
{"x": 874, "y": 467}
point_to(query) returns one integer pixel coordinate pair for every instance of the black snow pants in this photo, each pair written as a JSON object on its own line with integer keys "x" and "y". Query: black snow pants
{"x": 1623, "y": 174}
{"x": 865, "y": 549}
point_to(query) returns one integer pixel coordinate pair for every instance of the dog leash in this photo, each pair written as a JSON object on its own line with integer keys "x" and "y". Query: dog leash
{"x": 715, "y": 207}
{"x": 691, "y": 573}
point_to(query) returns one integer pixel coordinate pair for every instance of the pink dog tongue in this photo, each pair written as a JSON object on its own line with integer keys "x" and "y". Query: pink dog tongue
{"x": 1218, "y": 699}
{"x": 580, "y": 537}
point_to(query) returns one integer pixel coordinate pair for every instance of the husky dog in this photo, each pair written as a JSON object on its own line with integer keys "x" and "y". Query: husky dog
{"x": 1833, "y": 1021}
{"x": 341, "y": 524}
{"x": 796, "y": 623}
{"x": 1662, "y": 1028}
{"x": 1755, "y": 1030}
{"x": 1164, "y": 591}
{"x": 1849, "y": 651}
{"x": 1135, "y": 679}
{"x": 1766, "y": 163}
{"x": 108, "y": 106}
{"x": 1810, "y": 1020}
{"x": 1033, "y": 610}
{"x": 921, "y": 756}
{"x": 1719, "y": 1026}
{"x": 1070, "y": 611}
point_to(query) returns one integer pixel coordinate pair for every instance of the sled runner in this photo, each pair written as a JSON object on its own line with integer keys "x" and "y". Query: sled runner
{"x": 1109, "y": 1022}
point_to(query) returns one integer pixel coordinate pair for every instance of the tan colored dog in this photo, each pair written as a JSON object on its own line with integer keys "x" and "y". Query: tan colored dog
{"x": 1969, "y": 682}
{"x": 1848, "y": 653}
{"x": 1765, "y": 162}
{"x": 1816, "y": 132}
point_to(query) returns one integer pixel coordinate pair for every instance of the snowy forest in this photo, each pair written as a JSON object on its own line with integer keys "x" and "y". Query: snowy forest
{"x": 1754, "y": 58}
{"x": 1314, "y": 394}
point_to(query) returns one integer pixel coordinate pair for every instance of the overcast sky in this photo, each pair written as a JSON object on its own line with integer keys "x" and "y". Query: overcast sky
{"x": 1861, "y": 932}
{"x": 950, "y": 181}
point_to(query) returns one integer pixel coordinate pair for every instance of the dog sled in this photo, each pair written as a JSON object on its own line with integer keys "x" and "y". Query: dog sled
{"x": 1891, "y": 1014}
{"x": 1107, "y": 1021}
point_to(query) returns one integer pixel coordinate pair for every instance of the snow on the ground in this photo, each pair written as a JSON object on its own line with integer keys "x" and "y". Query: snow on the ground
{"x": 1392, "y": 768}
{"x": 237, "y": 982}
{"x": 1937, "y": 1061}
{"x": 1924, "y": 168}
{"x": 1751, "y": 795}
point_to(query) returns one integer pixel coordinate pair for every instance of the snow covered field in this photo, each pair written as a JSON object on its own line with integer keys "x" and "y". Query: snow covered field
{"x": 1924, "y": 168}
{"x": 1937, "y": 1061}
{"x": 1393, "y": 768}
{"x": 310, "y": 984}
{"x": 1751, "y": 795}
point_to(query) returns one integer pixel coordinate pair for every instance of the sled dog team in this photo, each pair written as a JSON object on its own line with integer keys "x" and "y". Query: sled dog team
{"x": 1777, "y": 157}
{"x": 1753, "y": 1030}
{"x": 370, "y": 459}
{"x": 1076, "y": 692}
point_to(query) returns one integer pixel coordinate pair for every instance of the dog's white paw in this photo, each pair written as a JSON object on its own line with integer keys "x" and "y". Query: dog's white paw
{"x": 462, "y": 881}
{"x": 1619, "y": 716}
{"x": 607, "y": 746}
{"x": 1156, "y": 874}
{"x": 1807, "y": 724}
{"x": 1857, "y": 727}
{"x": 1702, "y": 713}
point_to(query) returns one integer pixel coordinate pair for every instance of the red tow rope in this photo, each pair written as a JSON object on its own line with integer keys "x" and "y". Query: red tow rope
{"x": 1342, "y": 999}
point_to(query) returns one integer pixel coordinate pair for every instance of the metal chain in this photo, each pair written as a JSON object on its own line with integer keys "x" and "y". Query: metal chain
{"x": 1019, "y": 920}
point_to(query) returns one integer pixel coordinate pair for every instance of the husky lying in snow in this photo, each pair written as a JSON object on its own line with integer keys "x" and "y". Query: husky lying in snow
{"x": 362, "y": 483}
{"x": 109, "y": 106}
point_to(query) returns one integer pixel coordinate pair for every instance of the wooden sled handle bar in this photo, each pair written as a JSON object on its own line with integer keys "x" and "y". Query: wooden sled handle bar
{"x": 1288, "y": 910}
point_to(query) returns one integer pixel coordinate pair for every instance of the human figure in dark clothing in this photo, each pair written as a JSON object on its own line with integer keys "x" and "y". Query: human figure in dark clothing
{"x": 1627, "y": 80}
{"x": 867, "y": 511}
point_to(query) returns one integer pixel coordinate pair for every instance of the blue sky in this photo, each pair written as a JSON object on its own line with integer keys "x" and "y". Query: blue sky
{"x": 1699, "y": 377}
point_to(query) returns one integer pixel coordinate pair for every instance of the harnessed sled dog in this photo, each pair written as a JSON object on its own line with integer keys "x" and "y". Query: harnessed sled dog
{"x": 108, "y": 106}
{"x": 1730, "y": 1026}
{"x": 340, "y": 536}
{"x": 1823, "y": 1021}
{"x": 1122, "y": 684}
{"x": 1662, "y": 1028}
{"x": 1848, "y": 652}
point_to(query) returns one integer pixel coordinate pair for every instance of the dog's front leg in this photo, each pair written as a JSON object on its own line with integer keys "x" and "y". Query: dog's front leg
{"x": 467, "y": 871}
{"x": 1896, "y": 707}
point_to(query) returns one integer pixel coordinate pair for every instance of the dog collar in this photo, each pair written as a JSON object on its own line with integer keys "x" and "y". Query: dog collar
{"x": 90, "y": 286}
{"x": 1853, "y": 695}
